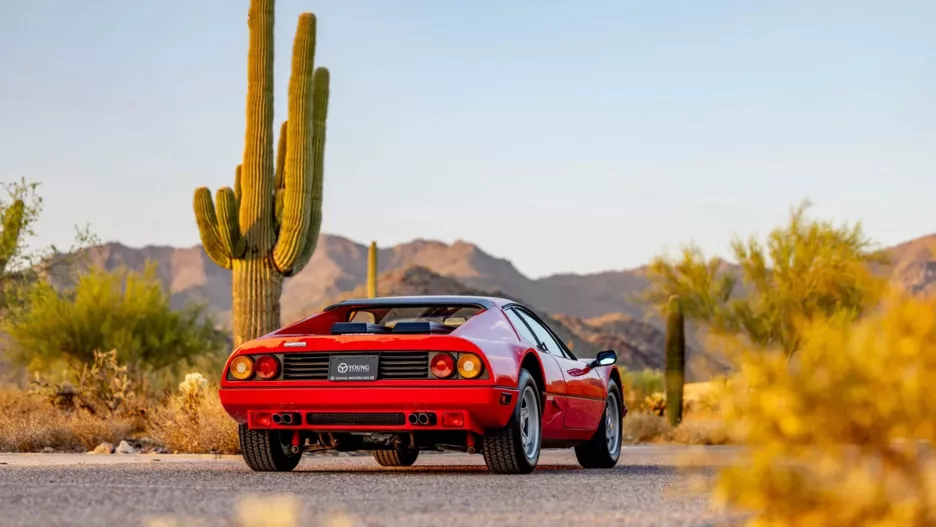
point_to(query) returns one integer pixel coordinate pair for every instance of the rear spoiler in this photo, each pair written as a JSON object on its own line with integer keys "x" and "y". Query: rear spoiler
{"x": 405, "y": 328}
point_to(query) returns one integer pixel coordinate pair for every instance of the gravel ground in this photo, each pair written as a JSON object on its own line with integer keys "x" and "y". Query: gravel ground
{"x": 648, "y": 487}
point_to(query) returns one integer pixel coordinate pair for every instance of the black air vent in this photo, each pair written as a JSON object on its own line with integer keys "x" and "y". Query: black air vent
{"x": 392, "y": 365}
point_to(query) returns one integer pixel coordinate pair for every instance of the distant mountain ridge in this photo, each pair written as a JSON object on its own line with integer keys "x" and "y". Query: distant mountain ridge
{"x": 597, "y": 308}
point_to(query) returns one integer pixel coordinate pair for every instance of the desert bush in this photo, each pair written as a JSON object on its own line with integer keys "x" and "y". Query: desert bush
{"x": 843, "y": 433}
{"x": 121, "y": 310}
{"x": 193, "y": 420}
{"x": 643, "y": 427}
{"x": 640, "y": 387}
{"x": 103, "y": 387}
{"x": 808, "y": 269}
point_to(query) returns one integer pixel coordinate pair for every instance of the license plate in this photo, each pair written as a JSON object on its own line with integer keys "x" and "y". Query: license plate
{"x": 352, "y": 368}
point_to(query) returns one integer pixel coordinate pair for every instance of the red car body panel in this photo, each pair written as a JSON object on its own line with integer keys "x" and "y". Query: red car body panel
{"x": 574, "y": 395}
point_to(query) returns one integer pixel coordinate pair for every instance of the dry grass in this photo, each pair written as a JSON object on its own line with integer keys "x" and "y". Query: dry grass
{"x": 647, "y": 427}
{"x": 193, "y": 421}
{"x": 29, "y": 423}
{"x": 843, "y": 433}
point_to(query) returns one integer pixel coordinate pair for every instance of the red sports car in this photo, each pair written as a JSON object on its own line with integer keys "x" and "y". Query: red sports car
{"x": 402, "y": 374}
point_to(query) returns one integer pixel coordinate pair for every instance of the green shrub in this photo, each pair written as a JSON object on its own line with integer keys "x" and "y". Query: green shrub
{"x": 126, "y": 311}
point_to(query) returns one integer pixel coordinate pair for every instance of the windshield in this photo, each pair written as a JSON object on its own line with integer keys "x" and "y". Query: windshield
{"x": 452, "y": 316}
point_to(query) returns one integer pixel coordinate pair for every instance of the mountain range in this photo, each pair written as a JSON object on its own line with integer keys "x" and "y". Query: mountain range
{"x": 591, "y": 311}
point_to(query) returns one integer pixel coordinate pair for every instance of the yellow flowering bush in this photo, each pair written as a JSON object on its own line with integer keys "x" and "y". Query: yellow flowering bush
{"x": 843, "y": 432}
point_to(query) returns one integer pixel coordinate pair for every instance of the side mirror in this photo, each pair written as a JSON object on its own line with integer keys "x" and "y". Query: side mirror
{"x": 604, "y": 358}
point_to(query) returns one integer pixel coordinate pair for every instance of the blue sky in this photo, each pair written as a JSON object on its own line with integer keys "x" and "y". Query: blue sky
{"x": 564, "y": 136}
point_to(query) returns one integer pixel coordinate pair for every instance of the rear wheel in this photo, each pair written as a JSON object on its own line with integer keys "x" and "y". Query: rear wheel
{"x": 398, "y": 457}
{"x": 604, "y": 448}
{"x": 267, "y": 450}
{"x": 515, "y": 449}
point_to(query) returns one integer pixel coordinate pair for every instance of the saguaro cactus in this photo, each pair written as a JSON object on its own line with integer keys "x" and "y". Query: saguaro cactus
{"x": 12, "y": 226}
{"x": 675, "y": 360}
{"x": 267, "y": 226}
{"x": 372, "y": 270}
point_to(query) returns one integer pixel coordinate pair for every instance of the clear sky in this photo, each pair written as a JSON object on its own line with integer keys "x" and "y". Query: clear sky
{"x": 564, "y": 136}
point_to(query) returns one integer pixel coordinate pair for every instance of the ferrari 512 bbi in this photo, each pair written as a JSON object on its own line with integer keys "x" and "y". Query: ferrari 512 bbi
{"x": 399, "y": 375}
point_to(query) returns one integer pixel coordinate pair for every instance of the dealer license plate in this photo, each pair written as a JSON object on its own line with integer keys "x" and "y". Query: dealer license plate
{"x": 352, "y": 368}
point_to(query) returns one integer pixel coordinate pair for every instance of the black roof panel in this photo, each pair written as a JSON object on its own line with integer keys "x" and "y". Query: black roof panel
{"x": 427, "y": 300}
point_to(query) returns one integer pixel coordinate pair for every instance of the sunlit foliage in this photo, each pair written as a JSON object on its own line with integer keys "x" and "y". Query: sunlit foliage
{"x": 806, "y": 269}
{"x": 843, "y": 433}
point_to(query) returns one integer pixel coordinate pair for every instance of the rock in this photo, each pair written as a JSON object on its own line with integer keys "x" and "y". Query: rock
{"x": 48, "y": 450}
{"x": 104, "y": 448}
{"x": 125, "y": 448}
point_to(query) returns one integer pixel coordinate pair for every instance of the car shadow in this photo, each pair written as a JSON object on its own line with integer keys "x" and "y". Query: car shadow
{"x": 636, "y": 470}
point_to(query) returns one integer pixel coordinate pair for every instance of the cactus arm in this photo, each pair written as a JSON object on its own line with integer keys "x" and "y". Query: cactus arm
{"x": 208, "y": 228}
{"x": 294, "y": 225}
{"x": 237, "y": 184}
{"x": 280, "y": 177}
{"x": 319, "y": 116}
{"x": 256, "y": 210}
{"x": 12, "y": 226}
{"x": 228, "y": 226}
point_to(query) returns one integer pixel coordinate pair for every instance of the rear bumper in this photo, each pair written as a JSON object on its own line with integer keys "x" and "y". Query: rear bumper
{"x": 481, "y": 407}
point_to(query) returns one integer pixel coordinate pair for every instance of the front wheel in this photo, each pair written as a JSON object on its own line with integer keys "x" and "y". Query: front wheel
{"x": 515, "y": 449}
{"x": 267, "y": 450}
{"x": 604, "y": 448}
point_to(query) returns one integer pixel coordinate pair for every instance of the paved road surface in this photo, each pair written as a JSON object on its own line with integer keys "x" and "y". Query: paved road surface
{"x": 451, "y": 490}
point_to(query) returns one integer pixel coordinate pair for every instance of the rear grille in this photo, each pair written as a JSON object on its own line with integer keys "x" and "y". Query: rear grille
{"x": 391, "y": 365}
{"x": 405, "y": 365}
{"x": 305, "y": 366}
{"x": 355, "y": 419}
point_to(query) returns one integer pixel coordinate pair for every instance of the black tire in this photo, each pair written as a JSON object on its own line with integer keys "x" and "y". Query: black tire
{"x": 604, "y": 448}
{"x": 265, "y": 450}
{"x": 398, "y": 457}
{"x": 504, "y": 449}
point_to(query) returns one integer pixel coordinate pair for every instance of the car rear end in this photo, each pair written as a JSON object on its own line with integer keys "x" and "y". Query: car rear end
{"x": 365, "y": 385}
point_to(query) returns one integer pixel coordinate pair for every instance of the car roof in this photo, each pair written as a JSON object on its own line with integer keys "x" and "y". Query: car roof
{"x": 486, "y": 302}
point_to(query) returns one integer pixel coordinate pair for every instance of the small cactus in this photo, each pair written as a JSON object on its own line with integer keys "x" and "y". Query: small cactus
{"x": 266, "y": 227}
{"x": 675, "y": 360}
{"x": 372, "y": 270}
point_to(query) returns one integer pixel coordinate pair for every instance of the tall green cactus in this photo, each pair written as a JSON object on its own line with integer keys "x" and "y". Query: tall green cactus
{"x": 372, "y": 270}
{"x": 675, "y": 360}
{"x": 266, "y": 227}
{"x": 12, "y": 227}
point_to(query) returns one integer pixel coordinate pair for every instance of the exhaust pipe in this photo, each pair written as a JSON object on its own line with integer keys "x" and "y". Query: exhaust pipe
{"x": 294, "y": 449}
{"x": 287, "y": 419}
{"x": 423, "y": 419}
{"x": 413, "y": 419}
{"x": 277, "y": 418}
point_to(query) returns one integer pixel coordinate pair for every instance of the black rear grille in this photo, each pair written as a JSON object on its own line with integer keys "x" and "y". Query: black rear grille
{"x": 391, "y": 365}
{"x": 355, "y": 419}
{"x": 404, "y": 365}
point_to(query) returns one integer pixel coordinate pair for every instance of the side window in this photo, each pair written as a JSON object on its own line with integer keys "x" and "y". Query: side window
{"x": 522, "y": 328}
{"x": 543, "y": 335}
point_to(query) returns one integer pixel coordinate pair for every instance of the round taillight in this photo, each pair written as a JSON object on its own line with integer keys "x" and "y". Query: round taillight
{"x": 267, "y": 367}
{"x": 443, "y": 365}
{"x": 469, "y": 366}
{"x": 242, "y": 367}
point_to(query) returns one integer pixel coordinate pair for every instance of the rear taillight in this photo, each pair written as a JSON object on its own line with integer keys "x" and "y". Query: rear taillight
{"x": 469, "y": 365}
{"x": 242, "y": 367}
{"x": 267, "y": 367}
{"x": 442, "y": 365}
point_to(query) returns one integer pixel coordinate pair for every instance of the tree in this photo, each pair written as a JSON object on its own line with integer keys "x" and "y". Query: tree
{"x": 807, "y": 269}
{"x": 122, "y": 310}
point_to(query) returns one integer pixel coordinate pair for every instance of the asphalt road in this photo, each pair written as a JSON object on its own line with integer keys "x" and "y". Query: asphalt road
{"x": 648, "y": 487}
